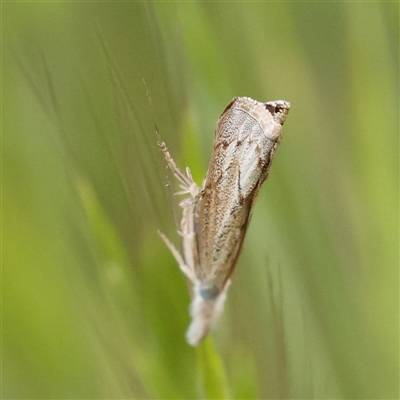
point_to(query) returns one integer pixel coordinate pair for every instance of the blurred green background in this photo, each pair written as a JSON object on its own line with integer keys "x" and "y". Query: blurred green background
{"x": 93, "y": 304}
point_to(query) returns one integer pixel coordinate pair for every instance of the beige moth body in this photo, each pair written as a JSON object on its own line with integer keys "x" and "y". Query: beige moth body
{"x": 215, "y": 216}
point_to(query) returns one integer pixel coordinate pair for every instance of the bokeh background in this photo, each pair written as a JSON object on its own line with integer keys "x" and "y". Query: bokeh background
{"x": 93, "y": 304}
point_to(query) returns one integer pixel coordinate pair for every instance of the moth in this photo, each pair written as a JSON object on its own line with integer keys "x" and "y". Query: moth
{"x": 216, "y": 215}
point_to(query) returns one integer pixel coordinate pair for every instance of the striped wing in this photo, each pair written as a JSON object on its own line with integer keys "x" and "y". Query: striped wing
{"x": 247, "y": 135}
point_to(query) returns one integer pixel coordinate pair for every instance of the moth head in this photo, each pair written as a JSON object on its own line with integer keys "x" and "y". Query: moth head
{"x": 279, "y": 110}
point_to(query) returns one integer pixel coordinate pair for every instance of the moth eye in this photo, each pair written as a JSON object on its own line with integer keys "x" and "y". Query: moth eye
{"x": 278, "y": 110}
{"x": 273, "y": 108}
{"x": 209, "y": 292}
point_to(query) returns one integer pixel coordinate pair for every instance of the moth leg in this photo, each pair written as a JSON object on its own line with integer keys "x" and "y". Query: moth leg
{"x": 187, "y": 184}
{"x": 182, "y": 265}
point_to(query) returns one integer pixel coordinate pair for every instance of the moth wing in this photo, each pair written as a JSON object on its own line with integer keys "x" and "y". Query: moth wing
{"x": 241, "y": 158}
